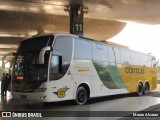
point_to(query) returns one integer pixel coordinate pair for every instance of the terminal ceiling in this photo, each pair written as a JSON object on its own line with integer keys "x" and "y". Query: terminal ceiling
{"x": 20, "y": 19}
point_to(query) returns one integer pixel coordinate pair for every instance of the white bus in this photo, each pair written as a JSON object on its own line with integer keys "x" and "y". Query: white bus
{"x": 57, "y": 67}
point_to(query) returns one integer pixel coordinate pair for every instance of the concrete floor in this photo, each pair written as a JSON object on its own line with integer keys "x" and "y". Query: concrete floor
{"x": 127, "y": 102}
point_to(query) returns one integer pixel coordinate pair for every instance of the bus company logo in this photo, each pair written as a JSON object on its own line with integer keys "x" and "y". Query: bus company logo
{"x": 134, "y": 70}
{"x": 82, "y": 69}
{"x": 61, "y": 92}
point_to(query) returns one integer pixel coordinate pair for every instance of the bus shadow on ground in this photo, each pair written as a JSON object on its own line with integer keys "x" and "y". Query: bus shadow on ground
{"x": 90, "y": 101}
{"x": 31, "y": 105}
{"x": 111, "y": 97}
{"x": 153, "y": 94}
{"x": 101, "y": 99}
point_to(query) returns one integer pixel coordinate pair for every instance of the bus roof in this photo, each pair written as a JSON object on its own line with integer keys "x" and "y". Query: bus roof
{"x": 90, "y": 39}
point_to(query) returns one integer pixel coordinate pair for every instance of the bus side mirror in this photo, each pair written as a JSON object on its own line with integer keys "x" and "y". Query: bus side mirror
{"x": 42, "y": 52}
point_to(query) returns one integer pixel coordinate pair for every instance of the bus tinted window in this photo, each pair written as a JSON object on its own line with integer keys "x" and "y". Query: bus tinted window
{"x": 118, "y": 55}
{"x": 99, "y": 52}
{"x": 55, "y": 68}
{"x": 37, "y": 44}
{"x": 136, "y": 59}
{"x": 153, "y": 61}
{"x": 111, "y": 56}
{"x": 148, "y": 61}
{"x": 141, "y": 59}
{"x": 83, "y": 49}
{"x": 63, "y": 45}
{"x": 125, "y": 57}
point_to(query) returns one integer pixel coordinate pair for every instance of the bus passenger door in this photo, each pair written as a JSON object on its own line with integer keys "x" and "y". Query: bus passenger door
{"x": 62, "y": 55}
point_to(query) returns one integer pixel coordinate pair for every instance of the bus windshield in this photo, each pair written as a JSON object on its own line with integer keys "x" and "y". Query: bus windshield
{"x": 26, "y": 66}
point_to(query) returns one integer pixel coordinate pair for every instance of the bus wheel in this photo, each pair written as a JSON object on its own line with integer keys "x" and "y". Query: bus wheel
{"x": 140, "y": 89}
{"x": 81, "y": 96}
{"x": 146, "y": 88}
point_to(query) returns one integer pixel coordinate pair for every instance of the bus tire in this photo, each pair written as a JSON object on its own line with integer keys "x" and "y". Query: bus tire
{"x": 146, "y": 88}
{"x": 140, "y": 89}
{"x": 81, "y": 96}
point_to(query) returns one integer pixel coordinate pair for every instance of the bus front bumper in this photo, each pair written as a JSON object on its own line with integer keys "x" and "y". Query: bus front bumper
{"x": 39, "y": 96}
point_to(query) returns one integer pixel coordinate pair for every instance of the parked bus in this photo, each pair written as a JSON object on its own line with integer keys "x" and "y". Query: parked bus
{"x": 57, "y": 67}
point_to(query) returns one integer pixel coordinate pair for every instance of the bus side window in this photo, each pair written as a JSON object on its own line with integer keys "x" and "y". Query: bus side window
{"x": 99, "y": 52}
{"x": 55, "y": 67}
{"x": 111, "y": 55}
{"x": 83, "y": 49}
{"x": 117, "y": 55}
{"x": 153, "y": 62}
{"x": 125, "y": 57}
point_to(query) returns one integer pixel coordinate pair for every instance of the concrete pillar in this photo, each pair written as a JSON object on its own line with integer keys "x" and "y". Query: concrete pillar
{"x": 76, "y": 13}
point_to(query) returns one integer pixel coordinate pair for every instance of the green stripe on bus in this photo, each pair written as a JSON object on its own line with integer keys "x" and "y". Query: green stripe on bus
{"x": 109, "y": 75}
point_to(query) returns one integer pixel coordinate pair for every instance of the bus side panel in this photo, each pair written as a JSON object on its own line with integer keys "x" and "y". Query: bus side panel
{"x": 153, "y": 73}
{"x": 82, "y": 71}
{"x": 62, "y": 89}
{"x": 132, "y": 75}
{"x": 110, "y": 77}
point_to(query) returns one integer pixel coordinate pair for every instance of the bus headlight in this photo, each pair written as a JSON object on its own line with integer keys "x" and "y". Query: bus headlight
{"x": 40, "y": 90}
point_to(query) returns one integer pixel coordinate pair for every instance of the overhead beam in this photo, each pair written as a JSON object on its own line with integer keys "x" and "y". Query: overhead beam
{"x": 26, "y": 20}
{"x": 24, "y": 23}
{"x": 28, "y": 24}
{"x": 7, "y": 49}
{"x": 10, "y": 40}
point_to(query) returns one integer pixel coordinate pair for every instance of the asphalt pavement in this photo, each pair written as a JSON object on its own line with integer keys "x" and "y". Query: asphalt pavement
{"x": 150, "y": 113}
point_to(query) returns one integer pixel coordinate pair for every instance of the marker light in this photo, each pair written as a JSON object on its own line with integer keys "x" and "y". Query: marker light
{"x": 19, "y": 77}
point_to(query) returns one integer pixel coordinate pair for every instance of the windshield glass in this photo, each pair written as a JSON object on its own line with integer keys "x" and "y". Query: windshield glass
{"x": 26, "y": 66}
{"x": 35, "y": 44}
